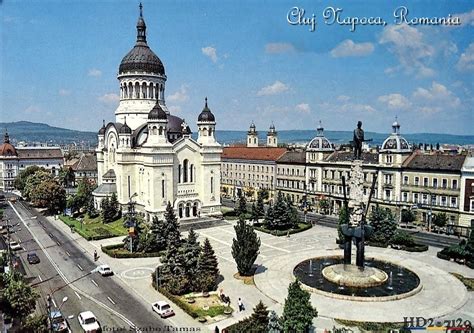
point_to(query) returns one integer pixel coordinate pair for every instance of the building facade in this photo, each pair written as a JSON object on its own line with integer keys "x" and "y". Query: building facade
{"x": 147, "y": 154}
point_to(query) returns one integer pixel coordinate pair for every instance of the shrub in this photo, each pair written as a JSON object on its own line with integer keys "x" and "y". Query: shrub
{"x": 403, "y": 238}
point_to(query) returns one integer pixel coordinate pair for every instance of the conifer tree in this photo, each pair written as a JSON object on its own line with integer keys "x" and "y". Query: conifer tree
{"x": 260, "y": 206}
{"x": 343, "y": 219}
{"x": 253, "y": 213}
{"x": 105, "y": 209}
{"x": 114, "y": 207}
{"x": 208, "y": 272}
{"x": 269, "y": 217}
{"x": 158, "y": 232}
{"x": 384, "y": 226}
{"x": 192, "y": 251}
{"x": 280, "y": 213}
{"x": 259, "y": 318}
{"x": 298, "y": 313}
{"x": 245, "y": 247}
{"x": 273, "y": 323}
{"x": 242, "y": 205}
{"x": 173, "y": 270}
{"x": 173, "y": 235}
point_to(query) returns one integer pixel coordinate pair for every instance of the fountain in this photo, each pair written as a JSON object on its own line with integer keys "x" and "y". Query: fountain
{"x": 338, "y": 276}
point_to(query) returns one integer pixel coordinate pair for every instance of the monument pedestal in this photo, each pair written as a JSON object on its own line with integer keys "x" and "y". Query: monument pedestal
{"x": 354, "y": 276}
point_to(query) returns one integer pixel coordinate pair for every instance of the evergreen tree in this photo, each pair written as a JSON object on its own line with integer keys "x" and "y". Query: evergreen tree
{"x": 343, "y": 219}
{"x": 469, "y": 247}
{"x": 242, "y": 205}
{"x": 440, "y": 220}
{"x": 245, "y": 247}
{"x": 192, "y": 251}
{"x": 298, "y": 313}
{"x": 208, "y": 272}
{"x": 84, "y": 193}
{"x": 384, "y": 226}
{"x": 173, "y": 235}
{"x": 273, "y": 323}
{"x": 114, "y": 207}
{"x": 158, "y": 231}
{"x": 291, "y": 213}
{"x": 259, "y": 318}
{"x": 269, "y": 217}
{"x": 260, "y": 208}
{"x": 105, "y": 209}
{"x": 173, "y": 270}
{"x": 253, "y": 213}
{"x": 408, "y": 216}
{"x": 280, "y": 213}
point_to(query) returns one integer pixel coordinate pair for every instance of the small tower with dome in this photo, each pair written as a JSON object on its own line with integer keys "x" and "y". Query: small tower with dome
{"x": 206, "y": 127}
{"x": 395, "y": 149}
{"x": 319, "y": 147}
{"x": 252, "y": 136}
{"x": 272, "y": 137}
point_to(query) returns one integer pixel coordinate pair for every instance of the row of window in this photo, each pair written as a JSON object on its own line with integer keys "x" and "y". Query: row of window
{"x": 427, "y": 199}
{"x": 434, "y": 182}
{"x": 243, "y": 167}
{"x": 250, "y": 176}
{"x": 290, "y": 172}
{"x": 299, "y": 185}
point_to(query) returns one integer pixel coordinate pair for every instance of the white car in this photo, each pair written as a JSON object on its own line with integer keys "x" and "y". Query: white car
{"x": 88, "y": 322}
{"x": 105, "y": 270}
{"x": 15, "y": 246}
{"x": 163, "y": 309}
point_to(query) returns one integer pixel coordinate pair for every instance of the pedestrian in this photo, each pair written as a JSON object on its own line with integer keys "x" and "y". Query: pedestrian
{"x": 288, "y": 234}
{"x": 216, "y": 330}
{"x": 95, "y": 255}
{"x": 241, "y": 305}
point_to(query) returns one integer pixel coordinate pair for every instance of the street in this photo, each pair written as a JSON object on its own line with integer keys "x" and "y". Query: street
{"x": 62, "y": 262}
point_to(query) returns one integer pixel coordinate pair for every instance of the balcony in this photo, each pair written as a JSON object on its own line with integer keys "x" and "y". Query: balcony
{"x": 435, "y": 190}
{"x": 187, "y": 190}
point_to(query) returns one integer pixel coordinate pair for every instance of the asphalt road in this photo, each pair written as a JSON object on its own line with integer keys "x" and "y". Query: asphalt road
{"x": 427, "y": 238}
{"x": 63, "y": 261}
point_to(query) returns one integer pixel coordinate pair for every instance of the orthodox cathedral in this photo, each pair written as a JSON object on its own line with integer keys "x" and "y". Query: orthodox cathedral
{"x": 148, "y": 155}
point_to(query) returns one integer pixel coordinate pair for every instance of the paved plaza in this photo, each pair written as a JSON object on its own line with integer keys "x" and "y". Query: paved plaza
{"x": 442, "y": 295}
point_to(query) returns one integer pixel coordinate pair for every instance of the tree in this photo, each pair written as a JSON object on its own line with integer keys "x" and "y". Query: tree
{"x": 343, "y": 219}
{"x": 273, "y": 323}
{"x": 84, "y": 192}
{"x": 324, "y": 206}
{"x": 33, "y": 180}
{"x": 250, "y": 192}
{"x": 263, "y": 192}
{"x": 254, "y": 213}
{"x": 469, "y": 247}
{"x": 260, "y": 208}
{"x": 158, "y": 232}
{"x": 20, "y": 180}
{"x": 440, "y": 220}
{"x": 245, "y": 247}
{"x": 105, "y": 210}
{"x": 114, "y": 207}
{"x": 66, "y": 176}
{"x": 384, "y": 226}
{"x": 242, "y": 205}
{"x": 49, "y": 194}
{"x": 259, "y": 318}
{"x": 269, "y": 216}
{"x": 173, "y": 235}
{"x": 192, "y": 251}
{"x": 291, "y": 213}
{"x": 298, "y": 313}
{"x": 35, "y": 324}
{"x": 208, "y": 272}
{"x": 20, "y": 297}
{"x": 408, "y": 216}
{"x": 173, "y": 270}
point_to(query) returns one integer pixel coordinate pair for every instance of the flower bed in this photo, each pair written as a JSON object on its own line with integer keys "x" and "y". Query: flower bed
{"x": 118, "y": 251}
{"x": 94, "y": 229}
{"x": 301, "y": 227}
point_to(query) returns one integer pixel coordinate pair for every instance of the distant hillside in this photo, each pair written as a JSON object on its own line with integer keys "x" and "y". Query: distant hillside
{"x": 38, "y": 132}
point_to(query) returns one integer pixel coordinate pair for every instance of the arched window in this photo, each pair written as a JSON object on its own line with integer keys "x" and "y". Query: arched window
{"x": 154, "y": 130}
{"x": 185, "y": 171}
{"x": 210, "y": 131}
{"x": 188, "y": 209}
{"x": 191, "y": 173}
{"x": 162, "y": 188}
{"x": 150, "y": 90}
{"x": 130, "y": 90}
{"x": 160, "y": 131}
{"x": 156, "y": 91}
{"x": 179, "y": 173}
{"x": 180, "y": 210}
{"x": 212, "y": 184}
{"x": 137, "y": 90}
{"x": 195, "y": 209}
{"x": 144, "y": 90}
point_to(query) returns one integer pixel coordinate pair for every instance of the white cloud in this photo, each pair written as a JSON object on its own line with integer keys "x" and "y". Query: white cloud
{"x": 466, "y": 60}
{"x": 466, "y": 19}
{"x": 355, "y": 107}
{"x": 64, "y": 92}
{"x": 175, "y": 109}
{"x": 32, "y": 109}
{"x": 395, "y": 101}
{"x": 435, "y": 99}
{"x": 348, "y": 48}
{"x": 343, "y": 98}
{"x": 94, "y": 72}
{"x": 408, "y": 45}
{"x": 180, "y": 96}
{"x": 109, "y": 98}
{"x": 303, "y": 107}
{"x": 279, "y": 48}
{"x": 273, "y": 89}
{"x": 211, "y": 52}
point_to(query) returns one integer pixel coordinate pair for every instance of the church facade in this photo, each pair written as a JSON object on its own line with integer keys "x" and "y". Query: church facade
{"x": 148, "y": 155}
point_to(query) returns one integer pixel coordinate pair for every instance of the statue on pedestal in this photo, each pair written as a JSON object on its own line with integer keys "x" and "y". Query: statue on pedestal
{"x": 358, "y": 139}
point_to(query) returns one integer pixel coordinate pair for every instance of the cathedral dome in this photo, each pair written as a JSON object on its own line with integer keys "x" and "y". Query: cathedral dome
{"x": 6, "y": 148}
{"x": 157, "y": 113}
{"x": 102, "y": 129}
{"x": 125, "y": 129}
{"x": 141, "y": 58}
{"x": 320, "y": 142}
{"x": 395, "y": 143}
{"x": 206, "y": 114}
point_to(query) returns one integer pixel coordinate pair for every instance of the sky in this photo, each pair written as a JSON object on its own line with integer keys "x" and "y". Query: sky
{"x": 252, "y": 59}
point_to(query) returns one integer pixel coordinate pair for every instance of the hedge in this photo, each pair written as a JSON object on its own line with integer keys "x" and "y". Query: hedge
{"x": 110, "y": 250}
{"x": 414, "y": 248}
{"x": 443, "y": 256}
{"x": 301, "y": 227}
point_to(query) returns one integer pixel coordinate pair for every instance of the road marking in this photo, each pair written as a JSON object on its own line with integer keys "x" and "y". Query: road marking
{"x": 50, "y": 235}
{"x": 65, "y": 279}
{"x": 68, "y": 254}
{"x": 39, "y": 277}
{"x": 59, "y": 244}
{"x": 54, "y": 303}
{"x": 111, "y": 300}
{"x": 77, "y": 295}
{"x": 79, "y": 266}
{"x": 94, "y": 283}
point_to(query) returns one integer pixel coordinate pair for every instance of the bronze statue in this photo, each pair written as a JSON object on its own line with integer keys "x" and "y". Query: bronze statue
{"x": 358, "y": 139}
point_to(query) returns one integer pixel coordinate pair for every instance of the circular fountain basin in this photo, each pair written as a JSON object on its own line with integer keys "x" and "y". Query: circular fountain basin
{"x": 379, "y": 281}
{"x": 354, "y": 276}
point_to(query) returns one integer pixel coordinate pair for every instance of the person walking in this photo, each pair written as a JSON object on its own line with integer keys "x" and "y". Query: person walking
{"x": 241, "y": 305}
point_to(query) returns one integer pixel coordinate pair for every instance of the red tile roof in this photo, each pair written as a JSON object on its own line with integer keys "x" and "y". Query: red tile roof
{"x": 253, "y": 153}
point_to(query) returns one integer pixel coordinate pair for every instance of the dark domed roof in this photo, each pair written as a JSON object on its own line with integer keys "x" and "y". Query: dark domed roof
{"x": 6, "y": 148}
{"x": 125, "y": 129}
{"x": 206, "y": 114}
{"x": 141, "y": 58}
{"x": 102, "y": 129}
{"x": 157, "y": 113}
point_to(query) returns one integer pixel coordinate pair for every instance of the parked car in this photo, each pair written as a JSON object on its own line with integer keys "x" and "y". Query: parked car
{"x": 14, "y": 245}
{"x": 33, "y": 258}
{"x": 105, "y": 270}
{"x": 88, "y": 322}
{"x": 163, "y": 309}
{"x": 58, "y": 323}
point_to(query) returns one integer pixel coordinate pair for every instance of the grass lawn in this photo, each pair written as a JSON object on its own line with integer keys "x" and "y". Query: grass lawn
{"x": 212, "y": 305}
{"x": 94, "y": 228}
{"x": 371, "y": 327}
{"x": 468, "y": 282}
{"x": 301, "y": 227}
